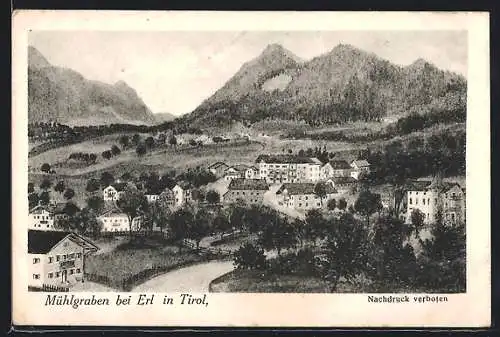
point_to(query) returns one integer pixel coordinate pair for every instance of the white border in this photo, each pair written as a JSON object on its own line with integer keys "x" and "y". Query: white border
{"x": 329, "y": 310}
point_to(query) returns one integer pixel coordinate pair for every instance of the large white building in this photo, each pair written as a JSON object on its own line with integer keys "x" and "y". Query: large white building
{"x": 41, "y": 218}
{"x": 288, "y": 169}
{"x": 182, "y": 194}
{"x": 113, "y": 191}
{"x": 114, "y": 220}
{"x": 56, "y": 258}
{"x": 303, "y": 197}
{"x": 430, "y": 198}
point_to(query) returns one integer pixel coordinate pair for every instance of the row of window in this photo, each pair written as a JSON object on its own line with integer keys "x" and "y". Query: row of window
{"x": 410, "y": 201}
{"x": 307, "y": 205}
{"x": 115, "y": 220}
{"x": 59, "y": 257}
{"x": 58, "y": 273}
{"x": 43, "y": 217}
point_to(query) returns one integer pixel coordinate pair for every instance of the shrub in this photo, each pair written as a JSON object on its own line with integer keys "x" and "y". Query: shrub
{"x": 250, "y": 256}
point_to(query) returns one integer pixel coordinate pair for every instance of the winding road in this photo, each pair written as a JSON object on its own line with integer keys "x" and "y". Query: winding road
{"x": 195, "y": 278}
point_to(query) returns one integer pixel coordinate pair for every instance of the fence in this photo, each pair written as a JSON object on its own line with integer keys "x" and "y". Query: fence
{"x": 48, "y": 288}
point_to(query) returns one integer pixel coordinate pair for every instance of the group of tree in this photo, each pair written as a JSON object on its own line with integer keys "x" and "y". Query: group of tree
{"x": 89, "y": 158}
{"x": 197, "y": 176}
{"x": 43, "y": 197}
{"x": 114, "y": 151}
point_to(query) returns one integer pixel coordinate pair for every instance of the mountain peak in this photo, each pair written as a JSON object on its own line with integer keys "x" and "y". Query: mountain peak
{"x": 277, "y": 50}
{"x": 36, "y": 59}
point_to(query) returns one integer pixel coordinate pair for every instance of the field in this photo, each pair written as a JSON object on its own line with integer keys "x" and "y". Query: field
{"x": 254, "y": 281}
{"x": 132, "y": 258}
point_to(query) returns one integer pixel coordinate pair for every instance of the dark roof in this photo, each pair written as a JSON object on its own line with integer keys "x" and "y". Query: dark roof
{"x": 426, "y": 185}
{"x": 285, "y": 159}
{"x": 303, "y": 188}
{"x": 217, "y": 165}
{"x": 119, "y": 186}
{"x": 340, "y": 165}
{"x": 344, "y": 180}
{"x": 59, "y": 208}
{"x": 238, "y": 167}
{"x": 248, "y": 184}
{"x": 41, "y": 242}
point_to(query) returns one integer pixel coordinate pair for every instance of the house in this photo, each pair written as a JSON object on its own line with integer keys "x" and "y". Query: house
{"x": 218, "y": 168}
{"x": 113, "y": 191}
{"x": 57, "y": 258}
{"x": 360, "y": 168}
{"x": 41, "y": 218}
{"x": 302, "y": 195}
{"x": 434, "y": 197}
{"x": 342, "y": 184}
{"x": 249, "y": 190}
{"x": 152, "y": 198}
{"x": 204, "y": 139}
{"x": 114, "y": 220}
{"x": 167, "y": 197}
{"x": 235, "y": 172}
{"x": 335, "y": 168}
{"x": 288, "y": 168}
{"x": 182, "y": 194}
{"x": 252, "y": 173}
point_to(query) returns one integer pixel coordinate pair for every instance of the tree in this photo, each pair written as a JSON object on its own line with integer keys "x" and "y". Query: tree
{"x": 342, "y": 205}
{"x": 106, "y": 179}
{"x": 417, "y": 221}
{"x": 197, "y": 195}
{"x": 320, "y": 191}
{"x": 346, "y": 250}
{"x": 199, "y": 227}
{"x": 161, "y": 138}
{"x": 212, "y": 197}
{"x": 136, "y": 138}
{"x": 45, "y": 168}
{"x": 133, "y": 203}
{"x": 31, "y": 188}
{"x": 172, "y": 140}
{"x": 316, "y": 225}
{"x": 70, "y": 209}
{"x": 92, "y": 158}
{"x": 95, "y": 203}
{"x": 332, "y": 204}
{"x": 45, "y": 184}
{"x": 140, "y": 150}
{"x": 106, "y": 154}
{"x": 221, "y": 224}
{"x": 92, "y": 185}
{"x": 69, "y": 194}
{"x": 60, "y": 186}
{"x": 442, "y": 264}
{"x": 150, "y": 142}
{"x": 250, "y": 256}
{"x": 180, "y": 220}
{"x": 44, "y": 198}
{"x": 367, "y": 204}
{"x": 158, "y": 214}
{"x": 124, "y": 141}
{"x": 278, "y": 234}
{"x": 115, "y": 150}
{"x": 33, "y": 200}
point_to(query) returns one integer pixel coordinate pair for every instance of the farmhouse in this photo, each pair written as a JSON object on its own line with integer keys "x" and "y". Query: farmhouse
{"x": 182, "y": 194}
{"x": 342, "y": 184}
{"x": 41, "y": 218}
{"x": 434, "y": 197}
{"x": 249, "y": 190}
{"x": 113, "y": 191}
{"x": 218, "y": 168}
{"x": 57, "y": 258}
{"x": 360, "y": 168}
{"x": 252, "y": 173}
{"x": 335, "y": 168}
{"x": 235, "y": 172}
{"x": 302, "y": 195}
{"x": 288, "y": 168}
{"x": 114, "y": 220}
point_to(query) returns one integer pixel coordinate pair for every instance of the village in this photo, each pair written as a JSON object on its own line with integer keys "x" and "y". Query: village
{"x": 293, "y": 185}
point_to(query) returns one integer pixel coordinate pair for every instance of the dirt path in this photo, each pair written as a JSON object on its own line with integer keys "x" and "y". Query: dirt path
{"x": 194, "y": 278}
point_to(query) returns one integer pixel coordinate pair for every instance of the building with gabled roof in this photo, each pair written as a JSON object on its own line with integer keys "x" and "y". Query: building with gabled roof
{"x": 41, "y": 218}
{"x": 57, "y": 258}
{"x": 302, "y": 196}
{"x": 285, "y": 168}
{"x": 249, "y": 190}
{"x": 335, "y": 168}
{"x": 113, "y": 191}
{"x": 218, "y": 168}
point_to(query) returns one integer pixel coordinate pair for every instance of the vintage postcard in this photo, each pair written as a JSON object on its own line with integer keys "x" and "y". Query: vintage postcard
{"x": 251, "y": 169}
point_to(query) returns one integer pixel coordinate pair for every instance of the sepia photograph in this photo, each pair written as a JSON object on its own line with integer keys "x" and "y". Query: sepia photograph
{"x": 247, "y": 161}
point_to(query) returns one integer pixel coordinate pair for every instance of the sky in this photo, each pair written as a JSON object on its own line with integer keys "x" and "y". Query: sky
{"x": 175, "y": 71}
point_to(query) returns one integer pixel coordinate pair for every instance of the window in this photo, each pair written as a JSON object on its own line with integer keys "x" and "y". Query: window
{"x": 50, "y": 275}
{"x": 423, "y": 201}
{"x": 36, "y": 260}
{"x": 416, "y": 201}
{"x": 78, "y": 270}
{"x": 78, "y": 255}
{"x": 71, "y": 271}
{"x": 57, "y": 258}
{"x": 411, "y": 201}
{"x": 428, "y": 201}
{"x": 58, "y": 273}
{"x": 50, "y": 259}
{"x": 36, "y": 276}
